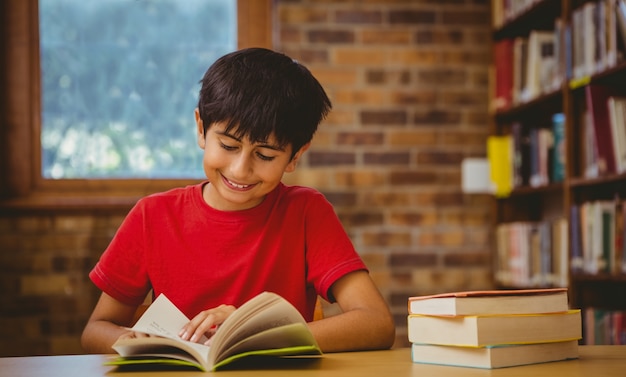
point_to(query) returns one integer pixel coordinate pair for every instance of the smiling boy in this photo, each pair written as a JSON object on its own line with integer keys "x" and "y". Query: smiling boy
{"x": 212, "y": 246}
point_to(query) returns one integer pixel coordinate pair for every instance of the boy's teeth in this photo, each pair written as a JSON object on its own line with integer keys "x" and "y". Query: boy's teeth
{"x": 238, "y": 186}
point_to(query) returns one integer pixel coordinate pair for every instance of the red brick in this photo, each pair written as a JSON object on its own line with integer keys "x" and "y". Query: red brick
{"x": 422, "y": 97}
{"x": 360, "y": 138}
{"x": 440, "y": 157}
{"x": 361, "y": 218}
{"x": 414, "y": 218}
{"x": 386, "y": 239}
{"x": 384, "y": 117}
{"x": 440, "y": 37}
{"x": 465, "y": 17}
{"x": 293, "y": 14}
{"x": 331, "y": 76}
{"x": 355, "y": 16}
{"x": 330, "y": 36}
{"x": 439, "y": 198}
{"x": 467, "y": 259}
{"x": 442, "y": 76}
{"x": 388, "y": 77}
{"x": 408, "y": 16}
{"x": 340, "y": 199}
{"x": 386, "y": 198}
{"x": 438, "y": 117}
{"x": 385, "y": 37}
{"x": 360, "y": 178}
{"x": 358, "y": 56}
{"x": 414, "y": 57}
{"x": 317, "y": 158}
{"x": 291, "y": 34}
{"x": 358, "y": 96}
{"x": 386, "y": 158}
{"x": 309, "y": 55}
{"x": 412, "y": 177}
{"x": 413, "y": 260}
{"x": 412, "y": 138}
{"x": 340, "y": 117}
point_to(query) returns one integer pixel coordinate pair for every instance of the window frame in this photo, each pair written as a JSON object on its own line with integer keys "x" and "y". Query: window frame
{"x": 21, "y": 182}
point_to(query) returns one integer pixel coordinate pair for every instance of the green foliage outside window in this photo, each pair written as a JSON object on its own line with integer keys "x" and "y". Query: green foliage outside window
{"x": 120, "y": 82}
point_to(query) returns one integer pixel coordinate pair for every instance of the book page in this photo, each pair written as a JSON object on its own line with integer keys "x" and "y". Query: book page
{"x": 292, "y": 335}
{"x": 262, "y": 312}
{"x": 164, "y": 319}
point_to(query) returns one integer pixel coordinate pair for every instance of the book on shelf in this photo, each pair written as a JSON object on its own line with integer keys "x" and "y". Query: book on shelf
{"x": 503, "y": 62}
{"x": 521, "y": 155}
{"x": 617, "y": 120}
{"x": 595, "y": 35}
{"x": 541, "y": 147}
{"x": 560, "y": 255}
{"x": 620, "y": 237}
{"x": 492, "y": 357}
{"x": 494, "y": 329}
{"x": 557, "y": 171}
{"x": 620, "y": 21}
{"x": 520, "y": 62}
{"x": 596, "y": 98}
{"x": 610, "y": 28}
{"x": 542, "y": 274}
{"x": 532, "y": 254}
{"x": 500, "y": 158}
{"x": 589, "y": 149}
{"x": 266, "y": 325}
{"x": 540, "y": 64}
{"x": 597, "y": 237}
{"x": 576, "y": 262}
{"x": 504, "y": 11}
{"x": 604, "y": 326}
{"x": 513, "y": 254}
{"x": 513, "y": 301}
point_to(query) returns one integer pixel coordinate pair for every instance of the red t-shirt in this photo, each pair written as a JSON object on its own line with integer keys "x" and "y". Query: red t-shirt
{"x": 174, "y": 243}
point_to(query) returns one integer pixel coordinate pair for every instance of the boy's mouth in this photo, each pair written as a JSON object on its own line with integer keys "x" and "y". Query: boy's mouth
{"x": 236, "y": 186}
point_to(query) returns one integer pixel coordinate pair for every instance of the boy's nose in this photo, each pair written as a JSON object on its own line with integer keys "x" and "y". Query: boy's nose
{"x": 241, "y": 166}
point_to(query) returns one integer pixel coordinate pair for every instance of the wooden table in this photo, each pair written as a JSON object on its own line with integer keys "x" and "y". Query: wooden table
{"x": 601, "y": 361}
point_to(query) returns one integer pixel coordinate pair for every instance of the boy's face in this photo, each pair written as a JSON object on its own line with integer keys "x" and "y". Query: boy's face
{"x": 241, "y": 173}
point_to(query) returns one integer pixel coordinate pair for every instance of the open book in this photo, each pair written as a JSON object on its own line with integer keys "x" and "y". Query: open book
{"x": 265, "y": 325}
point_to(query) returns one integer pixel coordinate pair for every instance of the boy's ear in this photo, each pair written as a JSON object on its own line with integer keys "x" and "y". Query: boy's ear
{"x": 294, "y": 160}
{"x": 199, "y": 128}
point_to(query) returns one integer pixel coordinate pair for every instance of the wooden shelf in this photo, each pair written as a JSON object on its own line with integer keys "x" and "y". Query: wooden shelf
{"x": 539, "y": 205}
{"x": 539, "y": 17}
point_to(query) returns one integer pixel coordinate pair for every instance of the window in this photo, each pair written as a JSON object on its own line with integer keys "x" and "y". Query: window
{"x": 35, "y": 140}
{"x": 119, "y": 82}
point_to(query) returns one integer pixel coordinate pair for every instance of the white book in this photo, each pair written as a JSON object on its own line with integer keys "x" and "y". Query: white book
{"x": 617, "y": 120}
{"x": 496, "y": 356}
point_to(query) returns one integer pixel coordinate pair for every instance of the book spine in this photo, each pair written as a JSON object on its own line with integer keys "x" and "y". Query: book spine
{"x": 558, "y": 151}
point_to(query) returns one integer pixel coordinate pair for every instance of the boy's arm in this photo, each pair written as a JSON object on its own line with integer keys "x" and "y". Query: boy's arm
{"x": 365, "y": 322}
{"x": 109, "y": 320}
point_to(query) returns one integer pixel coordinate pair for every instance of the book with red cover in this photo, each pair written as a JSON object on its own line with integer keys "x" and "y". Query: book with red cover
{"x": 503, "y": 62}
{"x": 514, "y": 301}
{"x": 597, "y": 97}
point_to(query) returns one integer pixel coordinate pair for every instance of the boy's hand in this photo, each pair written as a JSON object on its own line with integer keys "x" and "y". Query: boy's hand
{"x": 206, "y": 323}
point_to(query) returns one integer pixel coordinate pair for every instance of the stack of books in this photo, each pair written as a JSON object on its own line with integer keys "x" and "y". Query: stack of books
{"x": 493, "y": 329}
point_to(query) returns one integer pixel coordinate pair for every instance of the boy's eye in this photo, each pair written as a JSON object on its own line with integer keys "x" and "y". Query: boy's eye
{"x": 227, "y": 147}
{"x": 264, "y": 157}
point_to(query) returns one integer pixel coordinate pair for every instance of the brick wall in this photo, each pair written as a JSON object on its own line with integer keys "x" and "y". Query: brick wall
{"x": 46, "y": 294}
{"x": 408, "y": 81}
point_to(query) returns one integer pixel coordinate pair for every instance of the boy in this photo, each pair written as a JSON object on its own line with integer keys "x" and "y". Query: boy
{"x": 210, "y": 247}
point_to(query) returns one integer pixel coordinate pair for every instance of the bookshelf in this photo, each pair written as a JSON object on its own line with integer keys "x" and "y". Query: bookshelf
{"x": 562, "y": 220}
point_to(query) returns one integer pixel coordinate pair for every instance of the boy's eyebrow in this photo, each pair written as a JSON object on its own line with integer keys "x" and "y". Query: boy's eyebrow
{"x": 268, "y": 146}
